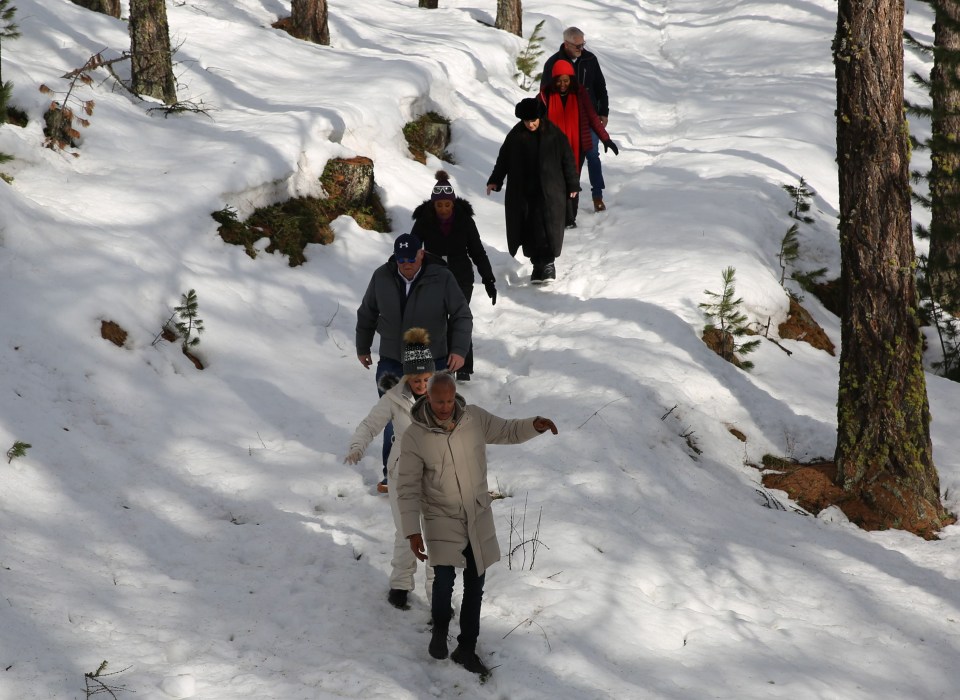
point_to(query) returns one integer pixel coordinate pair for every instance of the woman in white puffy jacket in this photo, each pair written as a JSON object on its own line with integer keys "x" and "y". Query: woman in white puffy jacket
{"x": 399, "y": 396}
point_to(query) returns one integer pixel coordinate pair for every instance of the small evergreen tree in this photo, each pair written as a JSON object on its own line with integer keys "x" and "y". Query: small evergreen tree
{"x": 19, "y": 449}
{"x": 528, "y": 59}
{"x": 789, "y": 251}
{"x": 801, "y": 194}
{"x": 190, "y": 326}
{"x": 60, "y": 117}
{"x": 725, "y": 317}
{"x": 8, "y": 30}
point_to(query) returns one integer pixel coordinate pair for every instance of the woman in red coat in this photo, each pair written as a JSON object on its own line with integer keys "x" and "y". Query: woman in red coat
{"x": 569, "y": 108}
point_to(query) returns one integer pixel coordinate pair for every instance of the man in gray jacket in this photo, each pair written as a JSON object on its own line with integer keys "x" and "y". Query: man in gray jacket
{"x": 411, "y": 290}
{"x": 442, "y": 474}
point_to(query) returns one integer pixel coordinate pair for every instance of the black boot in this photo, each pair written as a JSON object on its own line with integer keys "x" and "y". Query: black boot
{"x": 397, "y": 597}
{"x": 438, "y": 642}
{"x": 466, "y": 656}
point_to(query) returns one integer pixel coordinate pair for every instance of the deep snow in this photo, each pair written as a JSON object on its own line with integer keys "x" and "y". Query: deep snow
{"x": 199, "y": 531}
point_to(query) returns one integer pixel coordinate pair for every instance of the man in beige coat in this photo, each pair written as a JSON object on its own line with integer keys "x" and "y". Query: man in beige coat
{"x": 442, "y": 474}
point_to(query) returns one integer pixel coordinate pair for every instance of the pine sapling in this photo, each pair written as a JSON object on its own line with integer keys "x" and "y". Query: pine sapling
{"x": 801, "y": 194}
{"x": 725, "y": 317}
{"x": 789, "y": 251}
{"x": 19, "y": 449}
{"x": 189, "y": 325}
{"x": 529, "y": 59}
{"x": 61, "y": 120}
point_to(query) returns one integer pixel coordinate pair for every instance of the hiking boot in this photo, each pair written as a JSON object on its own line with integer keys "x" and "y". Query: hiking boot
{"x": 467, "y": 657}
{"x": 598, "y": 204}
{"x": 382, "y": 487}
{"x": 549, "y": 272}
{"x": 463, "y": 376}
{"x": 397, "y": 597}
{"x": 572, "y": 224}
{"x": 536, "y": 277}
{"x": 438, "y": 641}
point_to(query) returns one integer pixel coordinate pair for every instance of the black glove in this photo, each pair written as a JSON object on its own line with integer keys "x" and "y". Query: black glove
{"x": 491, "y": 291}
{"x": 609, "y": 145}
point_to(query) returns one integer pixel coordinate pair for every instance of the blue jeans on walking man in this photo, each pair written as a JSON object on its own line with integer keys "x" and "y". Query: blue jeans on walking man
{"x": 594, "y": 169}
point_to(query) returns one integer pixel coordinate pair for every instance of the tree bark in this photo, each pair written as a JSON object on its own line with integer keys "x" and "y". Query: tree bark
{"x": 944, "y": 178}
{"x": 510, "y": 16}
{"x": 107, "y": 7}
{"x": 429, "y": 4}
{"x": 309, "y": 19}
{"x": 884, "y": 454}
{"x": 151, "y": 60}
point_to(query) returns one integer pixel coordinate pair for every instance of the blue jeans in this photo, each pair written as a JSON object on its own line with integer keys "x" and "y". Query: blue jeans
{"x": 594, "y": 169}
{"x": 394, "y": 367}
{"x": 443, "y": 578}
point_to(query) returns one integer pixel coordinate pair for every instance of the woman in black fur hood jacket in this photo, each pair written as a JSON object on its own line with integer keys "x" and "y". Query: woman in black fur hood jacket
{"x": 445, "y": 225}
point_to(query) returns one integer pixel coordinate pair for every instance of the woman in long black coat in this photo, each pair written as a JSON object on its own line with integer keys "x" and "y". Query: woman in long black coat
{"x": 541, "y": 175}
{"x": 445, "y": 225}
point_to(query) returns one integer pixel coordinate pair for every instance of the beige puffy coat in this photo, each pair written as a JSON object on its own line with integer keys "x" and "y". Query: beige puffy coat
{"x": 394, "y": 406}
{"x": 444, "y": 476}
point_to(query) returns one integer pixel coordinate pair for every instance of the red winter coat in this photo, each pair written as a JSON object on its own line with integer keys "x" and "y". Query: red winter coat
{"x": 588, "y": 118}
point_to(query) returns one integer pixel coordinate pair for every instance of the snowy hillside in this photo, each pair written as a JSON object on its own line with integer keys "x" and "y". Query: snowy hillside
{"x": 199, "y": 531}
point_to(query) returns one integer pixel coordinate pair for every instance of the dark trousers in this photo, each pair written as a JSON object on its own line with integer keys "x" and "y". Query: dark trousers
{"x": 394, "y": 367}
{"x": 443, "y": 578}
{"x": 573, "y": 203}
{"x": 468, "y": 360}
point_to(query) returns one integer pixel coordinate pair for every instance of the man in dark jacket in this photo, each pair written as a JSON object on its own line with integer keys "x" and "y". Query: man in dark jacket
{"x": 412, "y": 290}
{"x": 590, "y": 76}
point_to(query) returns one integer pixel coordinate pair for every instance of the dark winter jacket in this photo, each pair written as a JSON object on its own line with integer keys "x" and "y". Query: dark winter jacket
{"x": 462, "y": 248}
{"x": 588, "y": 117}
{"x": 434, "y": 297}
{"x": 587, "y": 68}
{"x": 557, "y": 176}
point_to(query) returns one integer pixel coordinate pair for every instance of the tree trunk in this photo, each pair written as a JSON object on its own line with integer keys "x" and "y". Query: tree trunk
{"x": 309, "y": 21}
{"x": 151, "y": 60}
{"x": 429, "y": 4}
{"x": 510, "y": 16}
{"x": 107, "y": 7}
{"x": 884, "y": 454}
{"x": 944, "y": 178}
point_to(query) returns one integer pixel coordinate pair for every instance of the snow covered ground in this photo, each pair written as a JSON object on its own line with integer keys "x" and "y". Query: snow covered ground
{"x": 199, "y": 531}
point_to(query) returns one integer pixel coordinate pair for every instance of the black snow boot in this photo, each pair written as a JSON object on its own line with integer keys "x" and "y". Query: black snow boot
{"x": 397, "y": 597}
{"x": 438, "y": 642}
{"x": 466, "y": 656}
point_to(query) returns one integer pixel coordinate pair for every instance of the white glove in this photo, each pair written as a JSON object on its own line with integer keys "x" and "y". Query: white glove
{"x": 353, "y": 457}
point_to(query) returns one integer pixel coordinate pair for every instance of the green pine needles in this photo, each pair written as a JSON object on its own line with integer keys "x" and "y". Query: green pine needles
{"x": 189, "y": 325}
{"x": 725, "y": 319}
{"x": 529, "y": 59}
{"x": 19, "y": 449}
{"x": 801, "y": 194}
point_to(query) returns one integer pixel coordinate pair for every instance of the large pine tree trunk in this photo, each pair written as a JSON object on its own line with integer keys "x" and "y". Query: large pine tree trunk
{"x": 151, "y": 60}
{"x": 309, "y": 19}
{"x": 884, "y": 455}
{"x": 107, "y": 7}
{"x": 944, "y": 178}
{"x": 510, "y": 16}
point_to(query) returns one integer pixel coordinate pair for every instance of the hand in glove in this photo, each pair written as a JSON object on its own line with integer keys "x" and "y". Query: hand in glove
{"x": 609, "y": 145}
{"x": 353, "y": 457}
{"x": 491, "y": 291}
